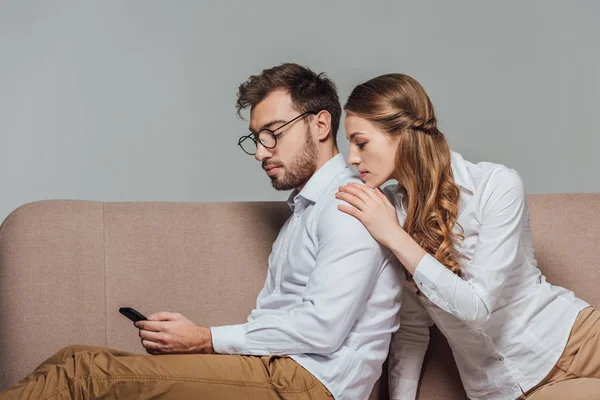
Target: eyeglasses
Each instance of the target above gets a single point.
(266, 137)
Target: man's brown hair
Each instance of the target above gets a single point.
(309, 91)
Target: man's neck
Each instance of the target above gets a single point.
(321, 160)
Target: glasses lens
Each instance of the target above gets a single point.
(267, 138)
(248, 145)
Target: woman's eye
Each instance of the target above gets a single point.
(361, 145)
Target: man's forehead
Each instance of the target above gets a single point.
(275, 107)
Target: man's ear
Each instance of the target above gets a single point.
(323, 123)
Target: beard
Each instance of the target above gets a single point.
(299, 170)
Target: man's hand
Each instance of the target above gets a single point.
(172, 333)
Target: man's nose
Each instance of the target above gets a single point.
(262, 153)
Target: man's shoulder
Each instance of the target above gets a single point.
(329, 219)
(327, 201)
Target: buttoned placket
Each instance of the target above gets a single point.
(285, 243)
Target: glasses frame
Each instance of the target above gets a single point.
(256, 138)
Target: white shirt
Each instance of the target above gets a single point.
(506, 325)
(332, 296)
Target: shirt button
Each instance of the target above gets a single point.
(500, 358)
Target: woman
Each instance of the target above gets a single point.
(461, 232)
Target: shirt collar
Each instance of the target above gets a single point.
(460, 172)
(317, 183)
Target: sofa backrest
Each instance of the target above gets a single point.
(67, 266)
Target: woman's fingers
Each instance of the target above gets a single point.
(352, 200)
(355, 212)
(363, 193)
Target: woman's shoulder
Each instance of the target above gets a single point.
(491, 176)
(499, 187)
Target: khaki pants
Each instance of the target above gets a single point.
(577, 372)
(86, 372)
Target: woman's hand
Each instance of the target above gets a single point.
(373, 209)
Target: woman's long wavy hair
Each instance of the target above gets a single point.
(398, 105)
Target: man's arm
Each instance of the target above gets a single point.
(172, 333)
(348, 262)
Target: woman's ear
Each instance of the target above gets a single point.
(323, 123)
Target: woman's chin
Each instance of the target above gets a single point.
(372, 183)
(371, 180)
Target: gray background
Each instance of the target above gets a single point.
(134, 100)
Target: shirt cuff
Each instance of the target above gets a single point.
(229, 339)
(427, 273)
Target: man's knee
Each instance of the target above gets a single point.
(82, 347)
(77, 348)
(69, 351)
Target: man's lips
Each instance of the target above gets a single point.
(271, 170)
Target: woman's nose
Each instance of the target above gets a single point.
(353, 159)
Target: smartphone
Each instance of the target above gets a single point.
(132, 314)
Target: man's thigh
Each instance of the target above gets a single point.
(212, 376)
(85, 371)
(185, 376)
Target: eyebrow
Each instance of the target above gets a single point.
(268, 125)
(353, 134)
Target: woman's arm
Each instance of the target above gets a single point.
(473, 297)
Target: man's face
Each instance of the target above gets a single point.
(294, 160)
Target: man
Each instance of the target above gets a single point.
(323, 321)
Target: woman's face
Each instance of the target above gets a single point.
(372, 151)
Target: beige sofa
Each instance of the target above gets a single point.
(67, 266)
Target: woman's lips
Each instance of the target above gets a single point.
(363, 175)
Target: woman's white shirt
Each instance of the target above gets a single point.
(506, 325)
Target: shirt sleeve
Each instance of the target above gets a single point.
(476, 295)
(263, 293)
(347, 264)
(408, 347)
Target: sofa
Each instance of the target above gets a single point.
(67, 266)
